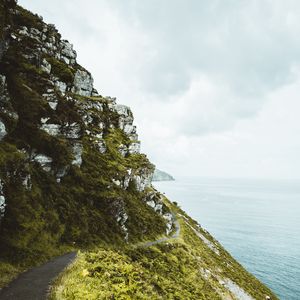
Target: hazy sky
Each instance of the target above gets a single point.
(214, 85)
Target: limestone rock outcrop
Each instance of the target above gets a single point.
(2, 200)
(56, 127)
(2, 130)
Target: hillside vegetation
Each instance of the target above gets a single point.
(72, 178)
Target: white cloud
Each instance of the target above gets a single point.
(213, 84)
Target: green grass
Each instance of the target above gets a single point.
(52, 218)
(11, 268)
(171, 270)
(8, 272)
(61, 70)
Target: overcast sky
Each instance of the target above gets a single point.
(214, 85)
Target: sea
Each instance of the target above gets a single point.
(257, 221)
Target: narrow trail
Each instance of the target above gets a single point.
(34, 284)
(175, 235)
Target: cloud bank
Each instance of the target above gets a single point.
(213, 85)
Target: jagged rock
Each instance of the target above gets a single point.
(87, 119)
(67, 50)
(5, 102)
(111, 102)
(51, 98)
(23, 31)
(128, 128)
(154, 201)
(123, 110)
(77, 152)
(123, 150)
(51, 129)
(2, 200)
(126, 180)
(126, 117)
(61, 86)
(83, 83)
(53, 104)
(101, 146)
(133, 137)
(35, 32)
(169, 218)
(44, 160)
(44, 120)
(27, 182)
(134, 147)
(98, 135)
(45, 66)
(65, 60)
(143, 179)
(90, 110)
(125, 120)
(95, 106)
(2, 83)
(116, 182)
(95, 92)
(118, 210)
(2, 130)
(72, 131)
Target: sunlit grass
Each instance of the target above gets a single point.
(182, 268)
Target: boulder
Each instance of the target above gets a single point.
(45, 66)
(67, 50)
(77, 152)
(134, 147)
(2, 200)
(143, 179)
(101, 146)
(2, 130)
(51, 129)
(83, 83)
(44, 160)
(61, 86)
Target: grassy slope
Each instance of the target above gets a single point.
(183, 268)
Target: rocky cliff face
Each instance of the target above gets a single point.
(71, 167)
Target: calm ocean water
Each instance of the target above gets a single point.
(257, 221)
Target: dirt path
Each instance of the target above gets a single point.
(175, 235)
(34, 284)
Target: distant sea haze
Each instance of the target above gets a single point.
(257, 221)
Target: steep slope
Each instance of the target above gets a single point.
(191, 265)
(72, 177)
(71, 171)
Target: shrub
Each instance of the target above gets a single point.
(61, 70)
(28, 19)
